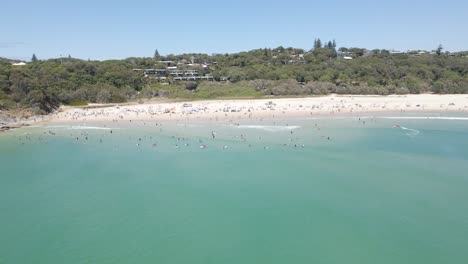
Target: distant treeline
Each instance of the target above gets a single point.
(44, 85)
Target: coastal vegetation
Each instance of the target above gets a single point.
(43, 85)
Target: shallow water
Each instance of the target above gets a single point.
(260, 192)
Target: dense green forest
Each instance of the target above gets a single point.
(43, 85)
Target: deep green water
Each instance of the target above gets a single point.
(370, 194)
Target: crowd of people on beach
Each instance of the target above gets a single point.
(79, 128)
(268, 115)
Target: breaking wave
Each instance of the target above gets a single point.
(426, 118)
(90, 128)
(270, 128)
(410, 132)
(80, 127)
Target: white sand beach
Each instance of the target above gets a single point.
(333, 105)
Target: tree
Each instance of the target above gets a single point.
(104, 96)
(317, 44)
(156, 54)
(34, 58)
(323, 54)
(44, 85)
(191, 86)
(439, 50)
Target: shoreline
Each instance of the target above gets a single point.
(275, 108)
(8, 122)
(252, 109)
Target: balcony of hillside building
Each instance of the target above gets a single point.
(194, 78)
(149, 72)
(191, 73)
(176, 73)
(161, 72)
(207, 78)
(157, 72)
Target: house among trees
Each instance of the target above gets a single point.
(161, 72)
(195, 78)
(19, 63)
(157, 72)
(344, 55)
(149, 72)
(176, 73)
(191, 73)
(396, 52)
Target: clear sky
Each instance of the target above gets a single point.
(98, 29)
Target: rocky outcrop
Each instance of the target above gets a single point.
(8, 122)
(6, 118)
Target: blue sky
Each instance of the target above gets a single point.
(116, 29)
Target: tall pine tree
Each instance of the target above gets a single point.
(439, 50)
(34, 58)
(318, 44)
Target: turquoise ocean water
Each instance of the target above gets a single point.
(260, 192)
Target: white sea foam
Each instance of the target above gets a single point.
(79, 127)
(411, 132)
(269, 128)
(426, 117)
(89, 128)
